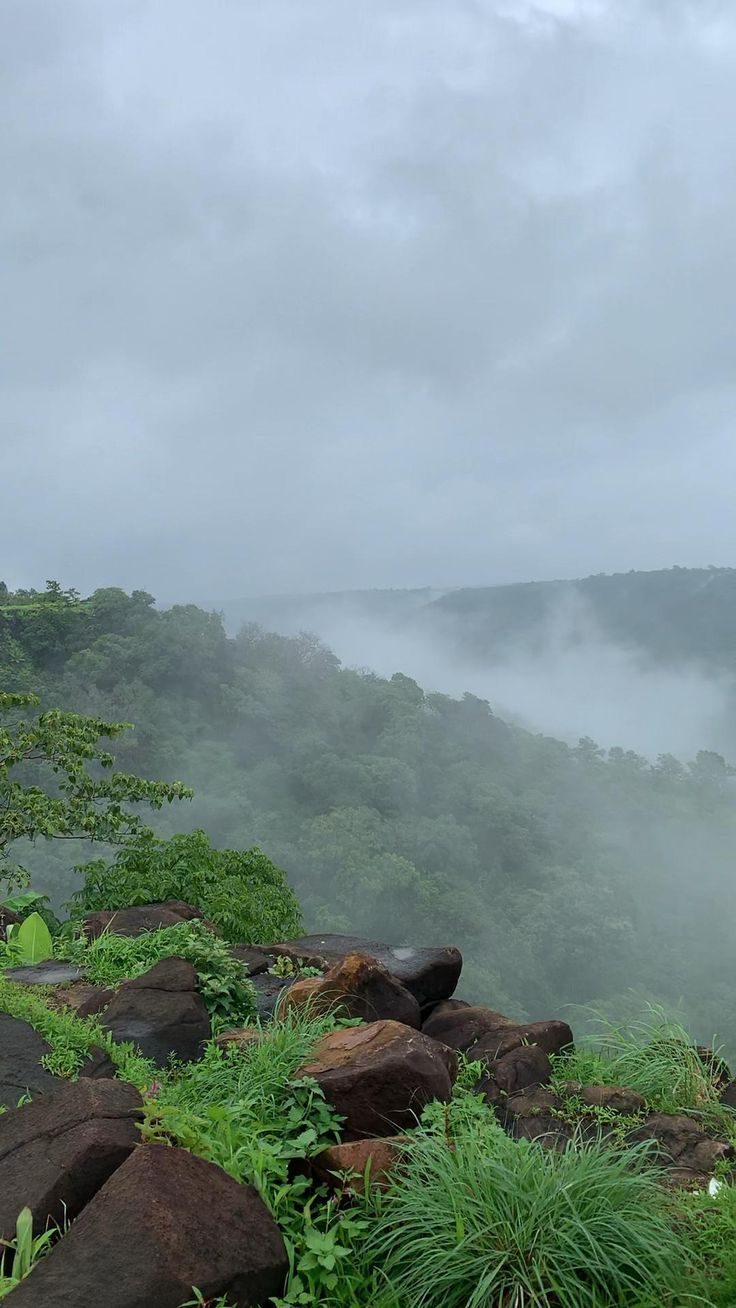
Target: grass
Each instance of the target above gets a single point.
(22, 1253)
(652, 1055)
(480, 1220)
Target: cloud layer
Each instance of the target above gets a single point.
(340, 295)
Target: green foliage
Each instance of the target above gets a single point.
(225, 988)
(81, 797)
(71, 1038)
(478, 1219)
(241, 891)
(25, 1249)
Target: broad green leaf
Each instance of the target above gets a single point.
(33, 939)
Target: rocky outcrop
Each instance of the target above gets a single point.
(162, 1012)
(428, 974)
(483, 1033)
(164, 1222)
(144, 917)
(56, 1152)
(379, 1077)
(359, 987)
(21, 1070)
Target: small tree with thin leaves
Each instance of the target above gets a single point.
(56, 781)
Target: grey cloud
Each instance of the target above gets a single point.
(344, 295)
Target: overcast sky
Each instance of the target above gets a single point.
(318, 294)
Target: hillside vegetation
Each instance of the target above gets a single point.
(569, 875)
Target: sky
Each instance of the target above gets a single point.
(321, 296)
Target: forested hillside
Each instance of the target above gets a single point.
(568, 875)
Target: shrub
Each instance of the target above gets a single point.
(241, 891)
(478, 1219)
(223, 984)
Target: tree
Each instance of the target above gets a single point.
(57, 782)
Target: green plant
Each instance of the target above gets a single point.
(26, 1250)
(109, 959)
(241, 891)
(286, 967)
(28, 941)
(478, 1220)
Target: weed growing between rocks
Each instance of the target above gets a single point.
(19, 1256)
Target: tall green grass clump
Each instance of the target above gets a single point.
(479, 1220)
(653, 1055)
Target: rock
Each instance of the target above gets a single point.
(717, 1067)
(428, 974)
(81, 997)
(144, 917)
(8, 918)
(546, 1129)
(269, 991)
(164, 1222)
(21, 1072)
(483, 1033)
(441, 1008)
(161, 1012)
(98, 997)
(44, 974)
(683, 1147)
(460, 1026)
(98, 1065)
(380, 1157)
(380, 1076)
(253, 960)
(56, 1152)
(357, 986)
(728, 1095)
(520, 1070)
(537, 1101)
(615, 1098)
(240, 1036)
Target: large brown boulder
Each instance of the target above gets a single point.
(21, 1069)
(164, 1222)
(429, 974)
(56, 1152)
(162, 1012)
(379, 1077)
(357, 986)
(144, 917)
(483, 1033)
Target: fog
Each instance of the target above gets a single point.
(569, 682)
